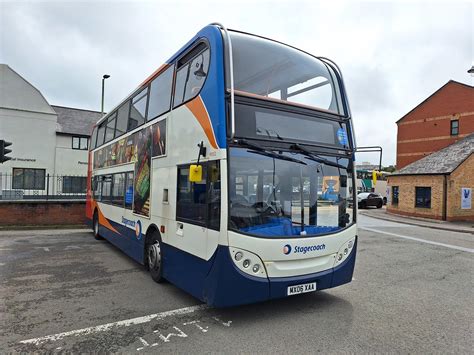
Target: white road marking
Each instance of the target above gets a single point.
(108, 326)
(419, 240)
(195, 322)
(180, 334)
(144, 342)
(225, 324)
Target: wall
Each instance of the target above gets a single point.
(463, 176)
(69, 161)
(427, 128)
(406, 195)
(42, 213)
(33, 137)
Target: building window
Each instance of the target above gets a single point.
(423, 197)
(81, 143)
(74, 184)
(29, 179)
(454, 127)
(394, 195)
(199, 202)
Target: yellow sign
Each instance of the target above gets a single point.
(374, 177)
(195, 173)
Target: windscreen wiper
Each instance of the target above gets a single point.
(314, 157)
(257, 149)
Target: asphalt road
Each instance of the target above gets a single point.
(64, 291)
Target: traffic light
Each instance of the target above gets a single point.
(4, 151)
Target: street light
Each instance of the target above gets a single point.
(471, 71)
(106, 76)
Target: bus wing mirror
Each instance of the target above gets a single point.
(195, 173)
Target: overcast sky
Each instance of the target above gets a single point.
(392, 54)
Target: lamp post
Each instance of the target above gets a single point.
(105, 76)
(471, 71)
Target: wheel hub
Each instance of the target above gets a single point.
(154, 256)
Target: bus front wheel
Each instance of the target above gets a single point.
(155, 258)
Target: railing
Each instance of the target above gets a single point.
(42, 187)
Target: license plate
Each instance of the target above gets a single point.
(294, 290)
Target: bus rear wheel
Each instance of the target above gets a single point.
(95, 226)
(155, 258)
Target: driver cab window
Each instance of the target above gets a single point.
(199, 202)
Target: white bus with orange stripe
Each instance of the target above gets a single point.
(211, 172)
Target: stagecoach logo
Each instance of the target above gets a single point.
(138, 230)
(303, 250)
(136, 225)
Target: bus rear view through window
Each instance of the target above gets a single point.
(231, 179)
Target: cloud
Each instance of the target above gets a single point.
(393, 54)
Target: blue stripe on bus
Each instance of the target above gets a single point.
(213, 92)
(217, 281)
(126, 241)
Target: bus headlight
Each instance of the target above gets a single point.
(238, 256)
(344, 251)
(248, 262)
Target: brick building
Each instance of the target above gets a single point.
(442, 119)
(438, 186)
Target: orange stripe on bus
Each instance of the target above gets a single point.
(196, 106)
(102, 220)
(155, 73)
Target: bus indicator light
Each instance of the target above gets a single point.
(162, 229)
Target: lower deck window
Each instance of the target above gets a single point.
(423, 197)
(115, 189)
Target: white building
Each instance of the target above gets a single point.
(47, 140)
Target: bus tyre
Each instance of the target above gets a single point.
(154, 258)
(95, 226)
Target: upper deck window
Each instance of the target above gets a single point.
(191, 74)
(273, 70)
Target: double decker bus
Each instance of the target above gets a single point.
(367, 183)
(227, 171)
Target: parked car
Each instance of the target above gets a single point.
(369, 199)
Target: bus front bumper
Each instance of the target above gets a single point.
(227, 286)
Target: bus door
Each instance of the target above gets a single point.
(198, 210)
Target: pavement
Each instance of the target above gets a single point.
(63, 291)
(381, 213)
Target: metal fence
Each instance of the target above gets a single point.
(39, 186)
